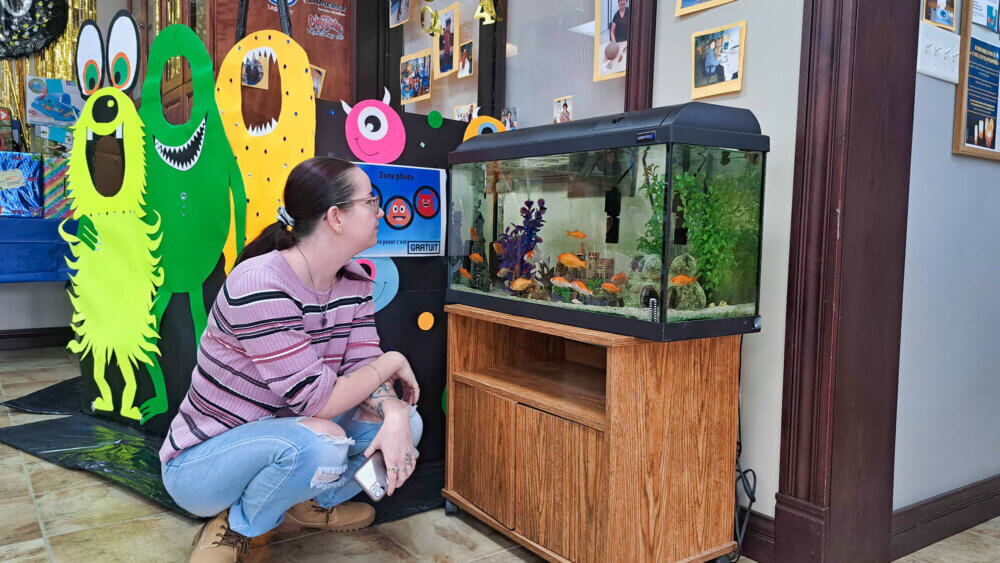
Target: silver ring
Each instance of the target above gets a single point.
(394, 469)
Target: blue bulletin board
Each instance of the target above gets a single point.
(411, 198)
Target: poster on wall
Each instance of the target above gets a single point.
(940, 13)
(984, 13)
(49, 101)
(562, 109)
(611, 30)
(415, 77)
(411, 198)
(717, 65)
(685, 7)
(977, 102)
(446, 43)
(399, 12)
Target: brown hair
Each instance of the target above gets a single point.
(312, 188)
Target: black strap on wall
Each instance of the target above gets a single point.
(241, 18)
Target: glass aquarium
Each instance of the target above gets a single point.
(647, 224)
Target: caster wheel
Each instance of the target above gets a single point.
(450, 509)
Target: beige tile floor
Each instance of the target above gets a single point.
(48, 513)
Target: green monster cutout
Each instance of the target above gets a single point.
(115, 271)
(193, 183)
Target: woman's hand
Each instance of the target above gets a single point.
(396, 443)
(411, 389)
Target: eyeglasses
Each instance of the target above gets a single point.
(374, 203)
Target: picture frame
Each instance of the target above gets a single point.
(937, 12)
(686, 7)
(560, 114)
(466, 49)
(254, 74)
(705, 81)
(450, 37)
(975, 130)
(400, 14)
(610, 55)
(415, 83)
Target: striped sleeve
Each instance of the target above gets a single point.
(267, 321)
(363, 342)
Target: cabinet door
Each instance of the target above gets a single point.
(561, 484)
(482, 452)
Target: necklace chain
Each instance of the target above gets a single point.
(326, 303)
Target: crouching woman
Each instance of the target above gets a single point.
(292, 392)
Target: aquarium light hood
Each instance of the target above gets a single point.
(694, 123)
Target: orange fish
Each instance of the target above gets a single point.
(476, 257)
(498, 248)
(560, 281)
(473, 233)
(465, 273)
(619, 279)
(581, 287)
(682, 280)
(611, 288)
(571, 261)
(529, 255)
(576, 235)
(521, 284)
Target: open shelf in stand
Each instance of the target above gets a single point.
(570, 390)
(596, 337)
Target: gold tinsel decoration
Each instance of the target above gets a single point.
(56, 61)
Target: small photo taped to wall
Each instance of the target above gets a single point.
(415, 77)
(318, 76)
(465, 60)
(399, 12)
(562, 109)
(940, 13)
(611, 31)
(509, 118)
(255, 72)
(464, 112)
(717, 65)
(446, 43)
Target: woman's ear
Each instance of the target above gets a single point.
(335, 218)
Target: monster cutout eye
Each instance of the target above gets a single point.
(483, 125)
(89, 58)
(123, 52)
(372, 123)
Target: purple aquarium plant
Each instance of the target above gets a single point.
(517, 241)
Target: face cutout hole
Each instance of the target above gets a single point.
(261, 102)
(108, 165)
(172, 93)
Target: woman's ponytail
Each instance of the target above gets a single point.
(276, 236)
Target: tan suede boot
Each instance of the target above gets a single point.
(341, 518)
(216, 543)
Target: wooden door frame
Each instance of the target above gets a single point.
(845, 283)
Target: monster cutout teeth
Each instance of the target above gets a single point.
(264, 129)
(184, 157)
(265, 52)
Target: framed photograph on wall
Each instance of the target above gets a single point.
(940, 13)
(465, 60)
(977, 108)
(399, 12)
(717, 60)
(685, 7)
(446, 44)
(611, 30)
(562, 109)
(415, 77)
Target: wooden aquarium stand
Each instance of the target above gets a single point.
(588, 446)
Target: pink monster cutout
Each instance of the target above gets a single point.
(374, 130)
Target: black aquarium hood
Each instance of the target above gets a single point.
(694, 123)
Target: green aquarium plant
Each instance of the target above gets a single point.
(654, 188)
(710, 230)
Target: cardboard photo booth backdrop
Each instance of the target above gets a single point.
(114, 264)
(267, 152)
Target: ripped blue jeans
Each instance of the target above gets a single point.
(261, 469)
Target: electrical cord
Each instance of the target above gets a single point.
(747, 479)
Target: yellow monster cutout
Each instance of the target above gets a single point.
(267, 154)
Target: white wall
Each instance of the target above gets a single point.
(947, 416)
(770, 90)
(44, 305)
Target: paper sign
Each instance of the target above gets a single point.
(984, 13)
(411, 198)
(50, 101)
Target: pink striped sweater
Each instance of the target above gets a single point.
(265, 351)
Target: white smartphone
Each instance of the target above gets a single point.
(372, 477)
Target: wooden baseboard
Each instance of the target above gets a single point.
(758, 544)
(35, 338)
(924, 523)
